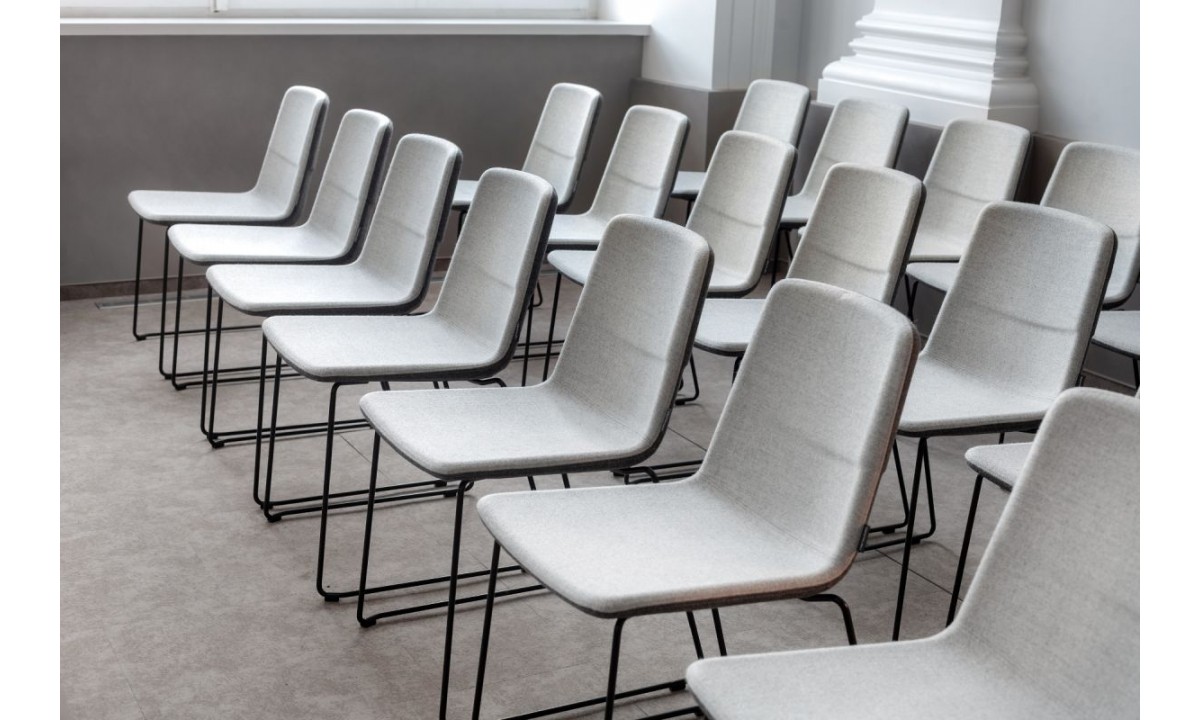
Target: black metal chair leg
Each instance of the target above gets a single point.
(1137, 374)
(266, 504)
(258, 435)
(204, 370)
(962, 555)
(922, 456)
(553, 318)
(487, 630)
(691, 618)
(448, 651)
(215, 382)
(528, 341)
(162, 314)
(175, 330)
(566, 481)
(847, 620)
(137, 282)
(366, 552)
(695, 384)
(911, 295)
(537, 295)
(532, 484)
(716, 616)
(610, 699)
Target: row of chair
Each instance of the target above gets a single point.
(992, 363)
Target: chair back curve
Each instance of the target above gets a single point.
(861, 230)
(860, 131)
(804, 451)
(775, 108)
(292, 148)
(410, 217)
(738, 208)
(1021, 313)
(345, 196)
(563, 134)
(494, 268)
(1055, 599)
(1103, 182)
(976, 162)
(641, 169)
(632, 332)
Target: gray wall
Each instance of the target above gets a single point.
(194, 112)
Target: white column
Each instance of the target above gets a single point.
(942, 59)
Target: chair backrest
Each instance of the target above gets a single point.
(348, 185)
(1103, 182)
(411, 214)
(805, 434)
(976, 162)
(633, 327)
(495, 264)
(774, 108)
(641, 169)
(865, 132)
(1056, 596)
(861, 230)
(737, 210)
(1021, 313)
(561, 140)
(292, 149)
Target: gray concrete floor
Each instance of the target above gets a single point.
(179, 600)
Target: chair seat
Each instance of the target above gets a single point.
(727, 325)
(933, 246)
(579, 232)
(1120, 330)
(506, 432)
(1001, 464)
(213, 244)
(354, 348)
(272, 289)
(464, 194)
(797, 209)
(676, 544)
(942, 401)
(575, 265)
(868, 681)
(168, 207)
(687, 184)
(940, 275)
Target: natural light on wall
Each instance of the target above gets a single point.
(213, 9)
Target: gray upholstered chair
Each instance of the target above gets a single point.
(637, 179)
(470, 333)
(337, 219)
(1102, 182)
(276, 197)
(976, 162)
(1011, 336)
(774, 108)
(737, 213)
(560, 143)
(865, 132)
(390, 276)
(857, 239)
(1121, 332)
(1051, 628)
(606, 405)
(749, 526)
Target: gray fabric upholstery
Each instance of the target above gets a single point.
(333, 224)
(858, 240)
(637, 179)
(1050, 629)
(773, 108)
(471, 330)
(976, 162)
(779, 503)
(859, 131)
(1002, 464)
(940, 275)
(560, 142)
(392, 272)
(736, 213)
(274, 196)
(606, 403)
(1103, 182)
(1012, 332)
(1120, 330)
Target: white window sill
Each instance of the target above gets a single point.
(327, 26)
